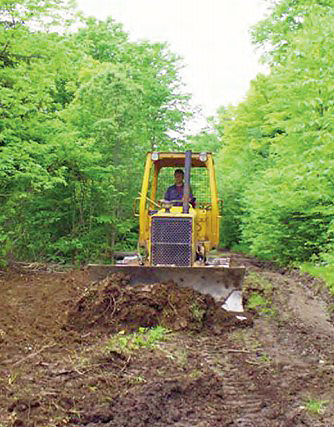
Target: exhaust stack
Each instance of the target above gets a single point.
(186, 190)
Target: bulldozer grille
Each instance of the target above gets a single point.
(171, 241)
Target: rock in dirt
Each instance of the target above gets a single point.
(111, 303)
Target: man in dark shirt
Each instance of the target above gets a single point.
(175, 192)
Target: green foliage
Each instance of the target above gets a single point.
(276, 164)
(143, 338)
(239, 158)
(78, 112)
(275, 33)
(325, 272)
(206, 140)
(209, 139)
(150, 72)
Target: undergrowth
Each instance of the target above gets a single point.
(325, 273)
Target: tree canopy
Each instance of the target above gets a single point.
(80, 104)
(78, 110)
(277, 160)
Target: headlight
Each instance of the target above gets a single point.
(155, 156)
(203, 156)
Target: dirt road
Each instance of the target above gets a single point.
(67, 360)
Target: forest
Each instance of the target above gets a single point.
(81, 104)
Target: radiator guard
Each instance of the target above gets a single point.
(171, 241)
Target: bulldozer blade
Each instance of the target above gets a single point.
(222, 283)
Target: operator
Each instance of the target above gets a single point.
(175, 192)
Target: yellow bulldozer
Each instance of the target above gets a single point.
(177, 236)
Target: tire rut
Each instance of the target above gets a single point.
(242, 395)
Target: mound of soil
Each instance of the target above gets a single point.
(113, 304)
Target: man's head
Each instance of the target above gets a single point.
(178, 176)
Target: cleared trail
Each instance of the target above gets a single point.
(274, 371)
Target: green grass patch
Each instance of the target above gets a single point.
(256, 282)
(143, 338)
(316, 406)
(260, 304)
(255, 301)
(325, 273)
(258, 292)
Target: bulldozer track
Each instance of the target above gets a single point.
(239, 389)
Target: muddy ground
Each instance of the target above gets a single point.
(71, 353)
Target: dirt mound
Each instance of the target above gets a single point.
(112, 304)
